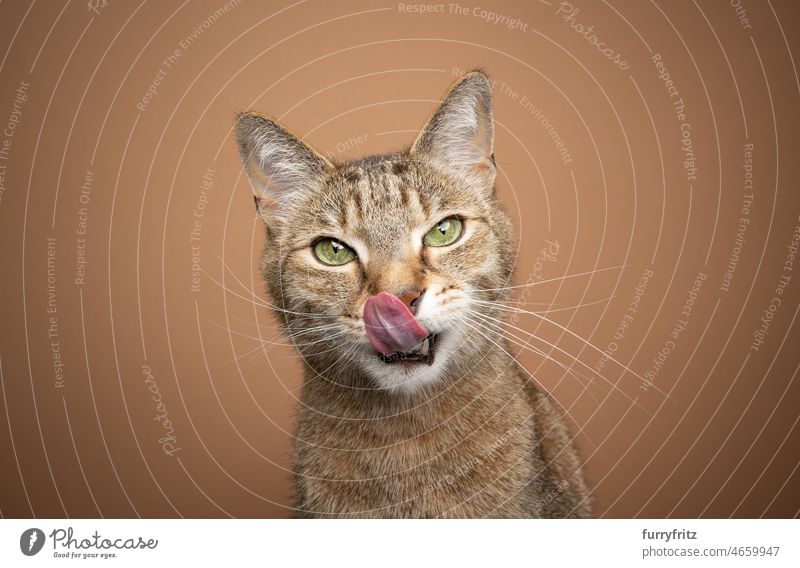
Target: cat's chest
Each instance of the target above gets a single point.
(416, 470)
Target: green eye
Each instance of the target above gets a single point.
(333, 253)
(446, 232)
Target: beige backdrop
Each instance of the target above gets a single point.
(653, 143)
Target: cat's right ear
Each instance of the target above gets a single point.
(276, 162)
(460, 134)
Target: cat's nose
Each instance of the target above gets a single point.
(411, 298)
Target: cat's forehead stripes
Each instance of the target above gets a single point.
(375, 191)
(383, 202)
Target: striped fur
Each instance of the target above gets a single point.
(469, 436)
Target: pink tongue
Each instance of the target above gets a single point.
(390, 325)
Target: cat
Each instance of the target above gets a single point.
(384, 272)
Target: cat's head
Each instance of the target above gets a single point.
(418, 240)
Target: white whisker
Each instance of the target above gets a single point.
(529, 374)
(559, 309)
(548, 280)
(260, 302)
(520, 341)
(585, 342)
(525, 345)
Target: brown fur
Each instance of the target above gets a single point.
(472, 438)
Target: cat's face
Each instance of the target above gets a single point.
(422, 227)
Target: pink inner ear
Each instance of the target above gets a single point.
(390, 325)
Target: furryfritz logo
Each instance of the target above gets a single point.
(31, 541)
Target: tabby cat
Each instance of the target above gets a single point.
(385, 272)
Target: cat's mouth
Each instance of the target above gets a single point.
(423, 353)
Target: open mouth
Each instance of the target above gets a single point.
(423, 353)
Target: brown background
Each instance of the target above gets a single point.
(715, 436)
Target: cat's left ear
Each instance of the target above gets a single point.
(276, 162)
(460, 134)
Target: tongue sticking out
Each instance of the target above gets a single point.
(390, 325)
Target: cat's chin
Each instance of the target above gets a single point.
(410, 373)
